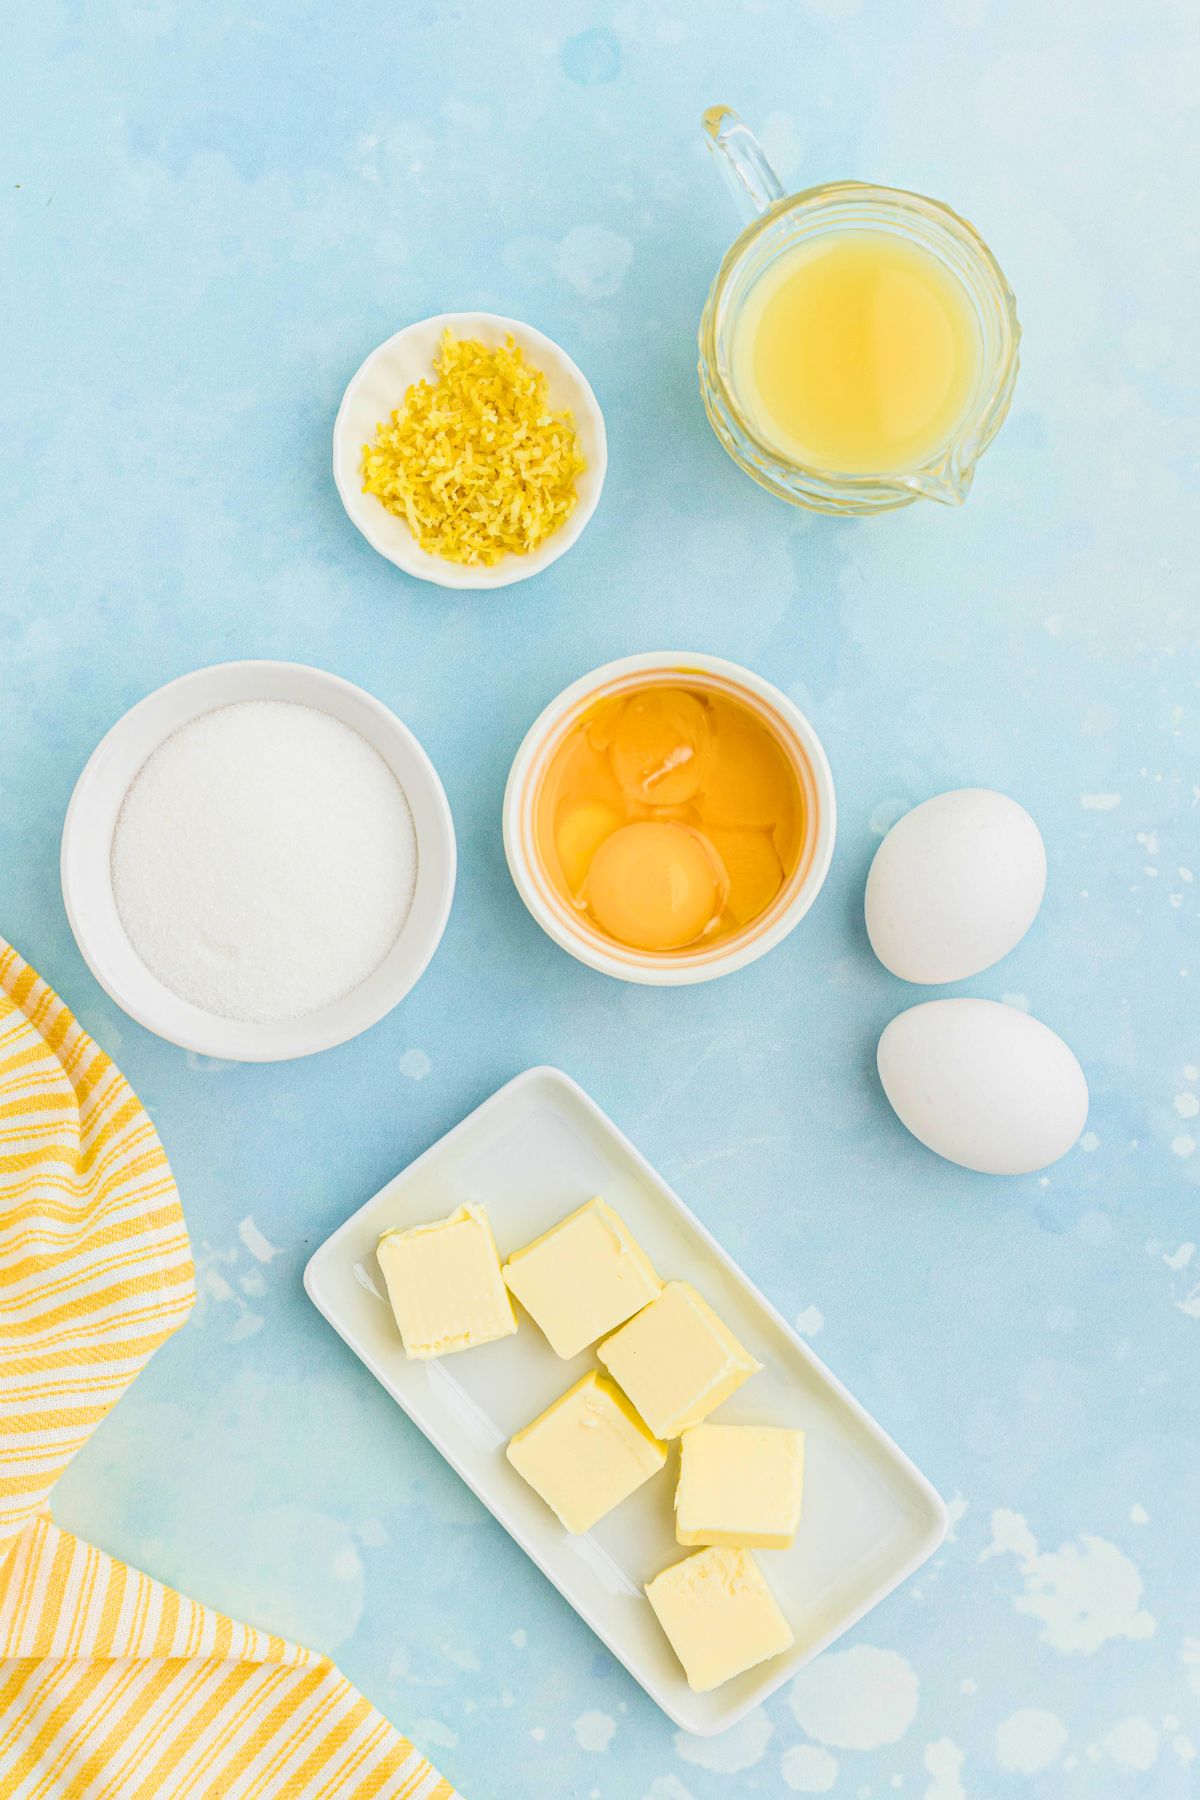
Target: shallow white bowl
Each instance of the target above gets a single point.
(378, 390)
(86, 861)
(681, 968)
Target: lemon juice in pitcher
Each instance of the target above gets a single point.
(858, 349)
(859, 352)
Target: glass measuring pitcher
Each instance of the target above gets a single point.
(849, 219)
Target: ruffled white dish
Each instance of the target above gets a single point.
(378, 389)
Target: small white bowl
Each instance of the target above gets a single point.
(378, 390)
(681, 968)
(86, 862)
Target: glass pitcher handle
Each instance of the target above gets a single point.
(748, 175)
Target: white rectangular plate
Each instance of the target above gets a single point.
(530, 1154)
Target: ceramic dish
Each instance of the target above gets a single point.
(378, 389)
(564, 924)
(87, 850)
(530, 1154)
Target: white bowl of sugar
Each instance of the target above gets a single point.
(258, 861)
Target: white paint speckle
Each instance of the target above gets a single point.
(1099, 802)
(246, 1326)
(538, 1734)
(1133, 1744)
(1191, 1072)
(1138, 1515)
(856, 1699)
(1094, 1227)
(1030, 1740)
(464, 1659)
(255, 1242)
(217, 1285)
(1084, 1594)
(807, 1769)
(741, 1747)
(810, 1321)
(519, 1638)
(667, 1787)
(968, 1685)
(433, 1731)
(943, 1762)
(1187, 1105)
(593, 260)
(1053, 626)
(1018, 1002)
(594, 1731)
(1183, 1145)
(1179, 1259)
(415, 1065)
(956, 1511)
(1089, 1142)
(1183, 1747)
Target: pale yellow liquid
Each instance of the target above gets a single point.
(857, 353)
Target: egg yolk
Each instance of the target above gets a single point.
(749, 781)
(658, 747)
(581, 832)
(655, 885)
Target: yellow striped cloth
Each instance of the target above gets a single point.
(113, 1686)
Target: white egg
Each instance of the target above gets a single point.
(983, 1085)
(954, 885)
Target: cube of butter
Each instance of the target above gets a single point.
(676, 1360)
(586, 1453)
(445, 1285)
(719, 1614)
(739, 1485)
(582, 1278)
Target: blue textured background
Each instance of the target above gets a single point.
(210, 214)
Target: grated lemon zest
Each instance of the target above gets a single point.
(476, 464)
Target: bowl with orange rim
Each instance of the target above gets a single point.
(669, 818)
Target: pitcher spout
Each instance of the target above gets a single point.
(947, 482)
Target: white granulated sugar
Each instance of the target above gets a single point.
(264, 861)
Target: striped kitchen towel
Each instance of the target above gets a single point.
(113, 1686)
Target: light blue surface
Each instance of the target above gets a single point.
(210, 215)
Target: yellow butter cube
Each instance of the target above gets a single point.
(719, 1614)
(582, 1278)
(676, 1360)
(445, 1285)
(739, 1485)
(586, 1453)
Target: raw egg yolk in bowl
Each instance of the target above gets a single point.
(669, 817)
